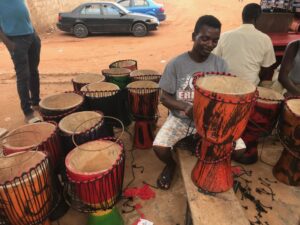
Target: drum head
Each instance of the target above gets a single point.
(294, 105)
(116, 72)
(29, 136)
(143, 73)
(225, 85)
(19, 163)
(100, 156)
(88, 78)
(123, 63)
(267, 95)
(61, 102)
(80, 122)
(107, 88)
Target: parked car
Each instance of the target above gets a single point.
(149, 7)
(105, 17)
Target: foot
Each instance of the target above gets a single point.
(165, 178)
(32, 119)
(245, 156)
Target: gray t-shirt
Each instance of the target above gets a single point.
(178, 76)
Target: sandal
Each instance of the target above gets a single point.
(165, 178)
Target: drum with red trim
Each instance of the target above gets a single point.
(26, 193)
(57, 106)
(43, 136)
(126, 63)
(143, 99)
(83, 79)
(150, 75)
(84, 126)
(261, 123)
(222, 106)
(287, 169)
(95, 171)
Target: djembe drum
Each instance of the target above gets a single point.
(143, 100)
(83, 79)
(150, 75)
(75, 125)
(287, 169)
(261, 123)
(222, 106)
(55, 107)
(27, 195)
(95, 171)
(109, 99)
(127, 63)
(118, 76)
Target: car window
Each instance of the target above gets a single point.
(140, 3)
(125, 3)
(109, 10)
(93, 9)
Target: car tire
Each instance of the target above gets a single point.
(80, 31)
(139, 29)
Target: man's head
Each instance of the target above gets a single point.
(206, 35)
(251, 12)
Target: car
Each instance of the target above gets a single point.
(105, 17)
(149, 7)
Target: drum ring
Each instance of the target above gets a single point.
(101, 149)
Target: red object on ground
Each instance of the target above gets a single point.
(144, 193)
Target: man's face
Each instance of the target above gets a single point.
(206, 40)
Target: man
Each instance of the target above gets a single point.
(289, 74)
(248, 52)
(23, 44)
(177, 91)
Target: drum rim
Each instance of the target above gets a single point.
(96, 174)
(112, 65)
(101, 78)
(68, 132)
(116, 72)
(62, 109)
(271, 101)
(18, 148)
(151, 73)
(117, 88)
(289, 108)
(142, 88)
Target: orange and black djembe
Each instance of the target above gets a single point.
(143, 100)
(222, 106)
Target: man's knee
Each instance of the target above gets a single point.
(161, 149)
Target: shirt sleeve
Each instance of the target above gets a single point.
(269, 57)
(168, 79)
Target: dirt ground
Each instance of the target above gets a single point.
(63, 56)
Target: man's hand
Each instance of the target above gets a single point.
(189, 111)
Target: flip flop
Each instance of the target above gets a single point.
(165, 178)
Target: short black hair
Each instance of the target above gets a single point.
(251, 12)
(207, 20)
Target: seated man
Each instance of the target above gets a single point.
(177, 91)
(289, 74)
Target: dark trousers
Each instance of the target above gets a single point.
(26, 58)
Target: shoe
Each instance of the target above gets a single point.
(3, 131)
(245, 156)
(30, 119)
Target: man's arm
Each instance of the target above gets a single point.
(286, 66)
(172, 103)
(8, 43)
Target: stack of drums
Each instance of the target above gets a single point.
(83, 79)
(95, 171)
(222, 106)
(27, 195)
(287, 169)
(143, 99)
(118, 76)
(107, 98)
(55, 107)
(127, 63)
(150, 75)
(82, 127)
(261, 123)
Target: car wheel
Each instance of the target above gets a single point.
(139, 30)
(80, 31)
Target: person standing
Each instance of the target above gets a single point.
(248, 52)
(24, 46)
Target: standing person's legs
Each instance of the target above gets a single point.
(173, 130)
(21, 64)
(34, 60)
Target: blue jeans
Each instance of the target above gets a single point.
(26, 58)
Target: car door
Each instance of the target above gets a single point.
(115, 19)
(140, 6)
(91, 16)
